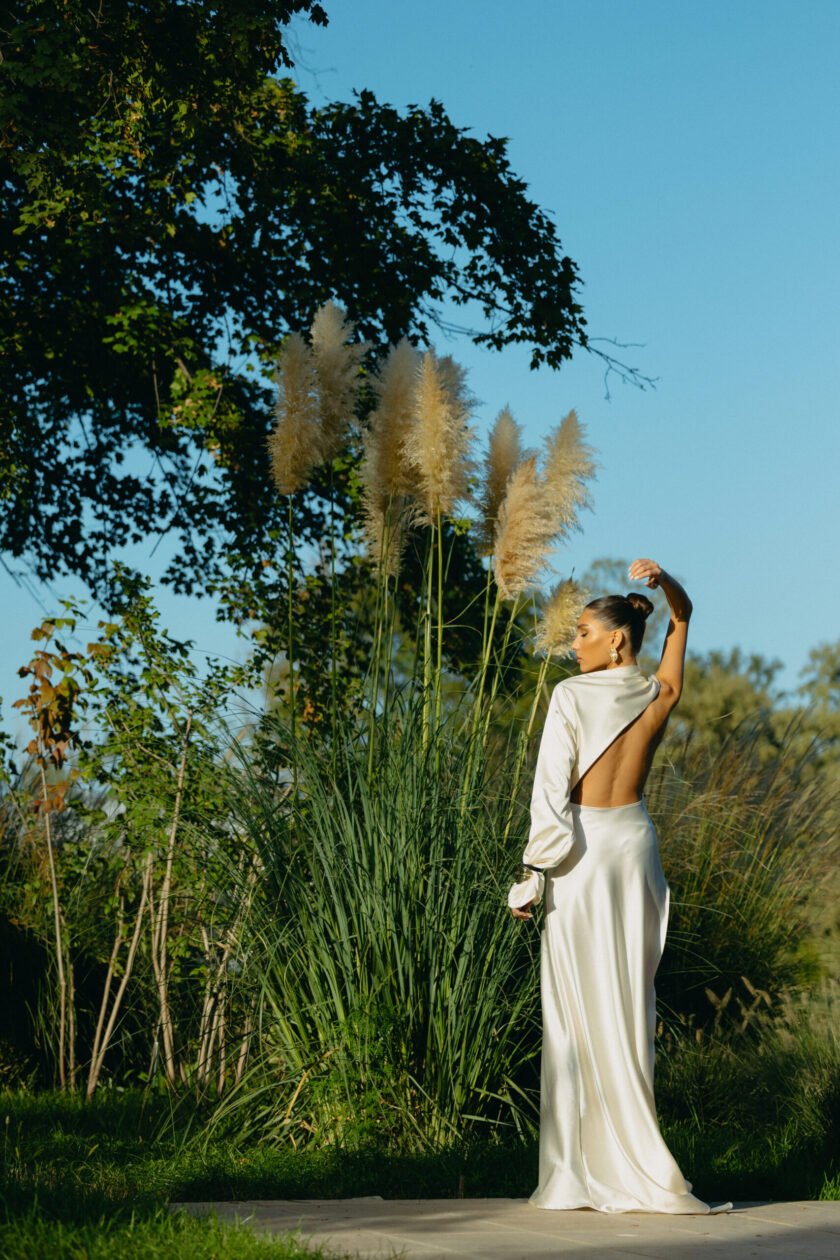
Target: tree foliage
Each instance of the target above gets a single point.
(171, 209)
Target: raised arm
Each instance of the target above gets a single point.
(672, 662)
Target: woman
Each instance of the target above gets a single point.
(593, 849)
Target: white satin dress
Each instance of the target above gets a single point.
(606, 914)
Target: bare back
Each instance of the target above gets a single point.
(618, 776)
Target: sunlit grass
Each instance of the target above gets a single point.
(164, 1235)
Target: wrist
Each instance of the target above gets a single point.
(681, 608)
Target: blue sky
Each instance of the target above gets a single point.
(689, 155)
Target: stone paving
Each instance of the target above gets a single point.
(510, 1229)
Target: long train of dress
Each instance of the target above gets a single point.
(606, 914)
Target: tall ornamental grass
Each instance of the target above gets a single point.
(748, 843)
(397, 1001)
(748, 1036)
(779, 1076)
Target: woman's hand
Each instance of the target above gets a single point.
(647, 571)
(522, 912)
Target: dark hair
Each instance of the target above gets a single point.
(624, 612)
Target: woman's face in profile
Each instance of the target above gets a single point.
(592, 643)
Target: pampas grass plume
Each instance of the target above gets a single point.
(569, 464)
(387, 477)
(294, 444)
(558, 624)
(504, 452)
(439, 442)
(336, 364)
(454, 378)
(524, 530)
(387, 470)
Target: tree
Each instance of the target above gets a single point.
(723, 692)
(170, 211)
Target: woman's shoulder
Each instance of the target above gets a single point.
(572, 686)
(567, 691)
(606, 684)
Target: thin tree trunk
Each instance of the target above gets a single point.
(220, 1086)
(202, 1067)
(211, 1035)
(93, 1074)
(155, 1054)
(244, 1045)
(100, 1048)
(59, 940)
(164, 1041)
(213, 1019)
(71, 1012)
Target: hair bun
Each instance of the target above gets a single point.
(640, 604)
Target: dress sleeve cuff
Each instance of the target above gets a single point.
(530, 889)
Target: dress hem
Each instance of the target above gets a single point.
(701, 1210)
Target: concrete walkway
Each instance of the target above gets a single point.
(509, 1229)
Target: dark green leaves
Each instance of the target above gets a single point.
(170, 211)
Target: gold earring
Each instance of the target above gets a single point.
(613, 655)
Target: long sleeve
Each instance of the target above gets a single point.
(551, 834)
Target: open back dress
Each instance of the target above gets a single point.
(606, 915)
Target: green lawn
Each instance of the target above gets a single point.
(95, 1181)
(164, 1234)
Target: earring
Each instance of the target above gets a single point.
(613, 655)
